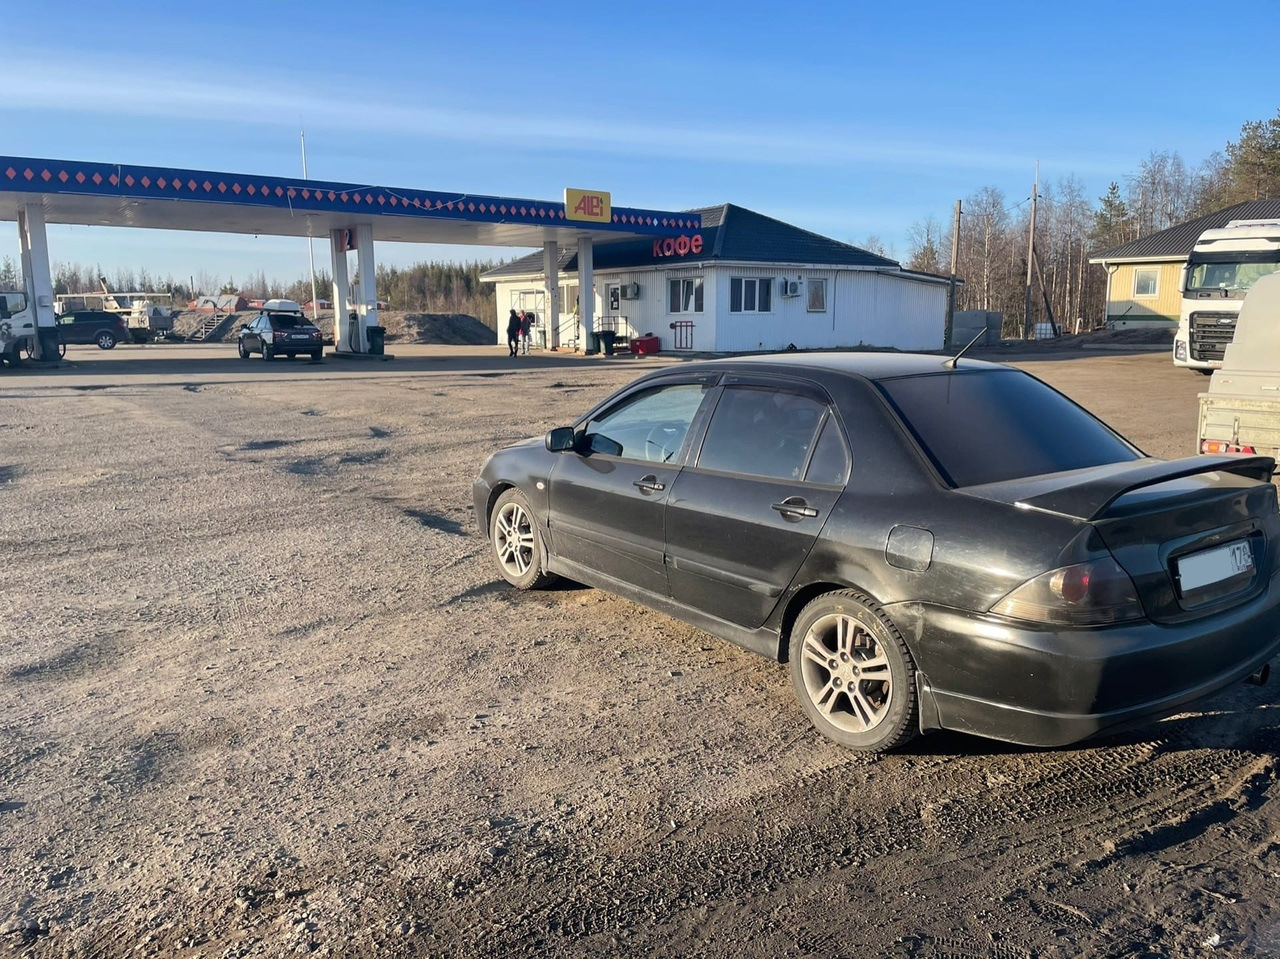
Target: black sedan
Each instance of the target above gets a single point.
(280, 334)
(928, 544)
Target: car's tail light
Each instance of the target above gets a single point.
(1217, 446)
(1087, 594)
(277, 335)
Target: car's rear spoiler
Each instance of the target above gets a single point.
(1085, 494)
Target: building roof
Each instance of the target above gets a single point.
(729, 233)
(1177, 242)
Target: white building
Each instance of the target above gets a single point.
(743, 282)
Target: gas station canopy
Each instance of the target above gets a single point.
(164, 198)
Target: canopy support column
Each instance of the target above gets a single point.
(339, 242)
(551, 270)
(35, 274)
(367, 294)
(586, 291)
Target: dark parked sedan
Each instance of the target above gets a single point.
(280, 334)
(927, 546)
(94, 326)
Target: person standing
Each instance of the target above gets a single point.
(526, 332)
(513, 333)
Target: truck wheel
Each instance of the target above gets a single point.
(13, 356)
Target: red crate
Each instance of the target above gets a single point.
(645, 344)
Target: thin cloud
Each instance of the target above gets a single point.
(121, 94)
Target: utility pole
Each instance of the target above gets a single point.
(1031, 247)
(951, 285)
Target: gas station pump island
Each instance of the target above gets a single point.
(37, 192)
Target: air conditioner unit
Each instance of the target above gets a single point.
(790, 287)
(630, 291)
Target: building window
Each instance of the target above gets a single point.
(1146, 282)
(817, 290)
(751, 295)
(685, 295)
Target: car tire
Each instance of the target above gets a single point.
(853, 674)
(517, 543)
(268, 354)
(106, 340)
(13, 356)
(317, 356)
(244, 354)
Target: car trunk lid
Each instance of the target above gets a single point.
(1194, 535)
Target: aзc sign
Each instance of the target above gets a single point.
(590, 205)
(677, 246)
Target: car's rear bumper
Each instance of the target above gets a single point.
(993, 677)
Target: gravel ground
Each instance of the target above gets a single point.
(264, 694)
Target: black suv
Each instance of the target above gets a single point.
(94, 326)
(276, 334)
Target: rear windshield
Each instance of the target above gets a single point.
(286, 321)
(993, 425)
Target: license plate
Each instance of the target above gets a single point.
(301, 336)
(1214, 565)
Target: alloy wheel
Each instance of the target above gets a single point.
(846, 673)
(514, 540)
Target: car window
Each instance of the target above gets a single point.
(987, 426)
(830, 463)
(652, 425)
(762, 432)
(282, 321)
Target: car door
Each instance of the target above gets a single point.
(607, 495)
(744, 515)
(68, 329)
(253, 336)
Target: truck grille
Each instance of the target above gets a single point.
(1210, 334)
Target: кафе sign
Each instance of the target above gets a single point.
(677, 246)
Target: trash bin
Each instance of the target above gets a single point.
(49, 344)
(594, 346)
(377, 339)
(607, 339)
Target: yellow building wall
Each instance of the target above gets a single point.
(1166, 304)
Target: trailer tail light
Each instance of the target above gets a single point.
(1217, 446)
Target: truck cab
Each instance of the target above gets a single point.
(1221, 270)
(17, 326)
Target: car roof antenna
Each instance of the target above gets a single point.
(951, 363)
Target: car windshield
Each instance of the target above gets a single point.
(1231, 274)
(992, 425)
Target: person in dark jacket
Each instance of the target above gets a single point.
(513, 333)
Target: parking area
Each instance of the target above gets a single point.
(265, 692)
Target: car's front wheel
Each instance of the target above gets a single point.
(105, 340)
(517, 543)
(853, 673)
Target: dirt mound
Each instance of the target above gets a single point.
(458, 329)
(1095, 340)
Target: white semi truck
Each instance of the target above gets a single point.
(1222, 268)
(1241, 411)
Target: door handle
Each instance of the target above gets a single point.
(795, 506)
(649, 484)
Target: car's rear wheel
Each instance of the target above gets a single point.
(105, 340)
(268, 353)
(853, 673)
(517, 543)
(244, 354)
(317, 355)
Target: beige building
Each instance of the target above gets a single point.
(1144, 278)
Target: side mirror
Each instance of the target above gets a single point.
(560, 439)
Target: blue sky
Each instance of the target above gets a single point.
(849, 119)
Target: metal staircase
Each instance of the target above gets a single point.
(212, 328)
